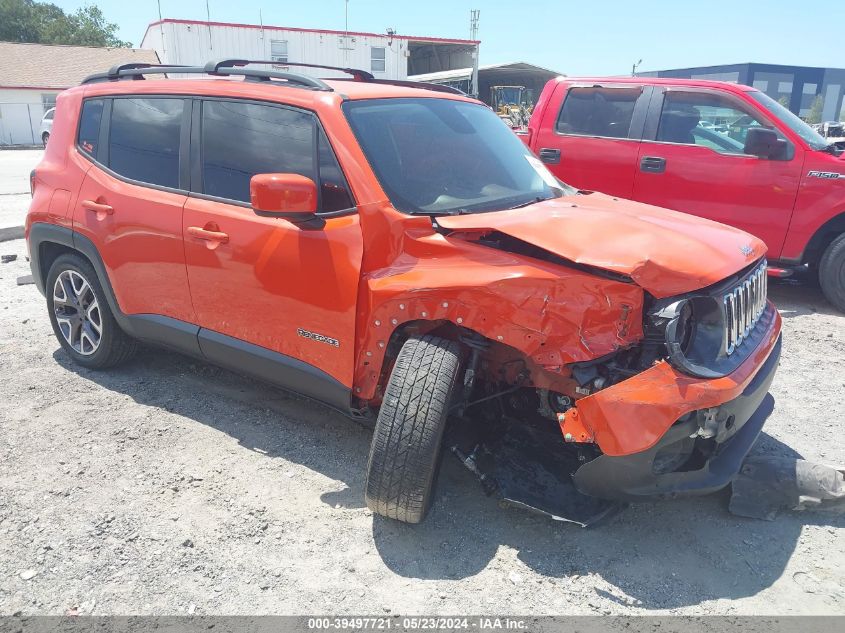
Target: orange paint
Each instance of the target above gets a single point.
(283, 193)
(631, 416)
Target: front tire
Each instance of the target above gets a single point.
(81, 318)
(405, 453)
(832, 273)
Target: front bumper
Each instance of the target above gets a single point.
(684, 463)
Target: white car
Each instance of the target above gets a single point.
(47, 125)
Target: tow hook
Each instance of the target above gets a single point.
(709, 424)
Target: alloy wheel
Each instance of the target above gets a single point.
(77, 312)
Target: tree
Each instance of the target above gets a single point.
(784, 101)
(45, 23)
(815, 114)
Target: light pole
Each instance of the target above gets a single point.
(473, 30)
(634, 68)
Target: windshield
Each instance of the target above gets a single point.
(812, 138)
(441, 156)
(834, 129)
(509, 94)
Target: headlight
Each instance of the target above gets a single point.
(682, 326)
(692, 332)
(699, 332)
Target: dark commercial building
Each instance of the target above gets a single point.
(799, 84)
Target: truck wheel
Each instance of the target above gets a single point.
(81, 317)
(405, 453)
(832, 273)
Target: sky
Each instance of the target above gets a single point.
(603, 37)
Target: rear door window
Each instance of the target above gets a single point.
(89, 126)
(144, 137)
(598, 111)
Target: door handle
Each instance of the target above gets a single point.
(102, 210)
(209, 236)
(549, 155)
(653, 164)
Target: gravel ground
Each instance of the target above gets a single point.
(169, 487)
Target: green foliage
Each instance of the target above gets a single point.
(815, 114)
(45, 23)
(784, 101)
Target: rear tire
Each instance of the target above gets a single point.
(405, 453)
(832, 273)
(45, 137)
(81, 318)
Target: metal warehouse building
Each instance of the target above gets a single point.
(533, 78)
(387, 56)
(799, 84)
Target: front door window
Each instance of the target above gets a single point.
(706, 119)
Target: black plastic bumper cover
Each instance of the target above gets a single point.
(634, 477)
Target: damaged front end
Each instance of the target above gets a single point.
(598, 371)
(671, 416)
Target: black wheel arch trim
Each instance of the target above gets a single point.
(279, 369)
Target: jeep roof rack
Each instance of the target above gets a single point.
(230, 67)
(220, 68)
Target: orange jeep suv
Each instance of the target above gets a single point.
(394, 251)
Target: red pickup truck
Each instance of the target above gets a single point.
(723, 151)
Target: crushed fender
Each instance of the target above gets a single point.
(766, 485)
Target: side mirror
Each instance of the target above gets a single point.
(286, 195)
(764, 142)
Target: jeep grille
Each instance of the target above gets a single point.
(744, 305)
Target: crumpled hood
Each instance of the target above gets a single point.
(665, 252)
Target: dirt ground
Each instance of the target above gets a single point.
(169, 487)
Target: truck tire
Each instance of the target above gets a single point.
(832, 273)
(80, 315)
(405, 453)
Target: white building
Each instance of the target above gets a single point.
(31, 75)
(386, 56)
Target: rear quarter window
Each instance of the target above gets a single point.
(89, 126)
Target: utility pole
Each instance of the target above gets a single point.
(208, 19)
(473, 35)
(634, 68)
(346, 30)
(161, 30)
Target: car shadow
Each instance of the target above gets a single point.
(658, 555)
(799, 296)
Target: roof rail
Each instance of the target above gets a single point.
(228, 67)
(220, 68)
(212, 67)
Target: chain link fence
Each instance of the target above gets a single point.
(20, 123)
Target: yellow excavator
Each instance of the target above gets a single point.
(513, 105)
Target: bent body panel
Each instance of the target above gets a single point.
(632, 416)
